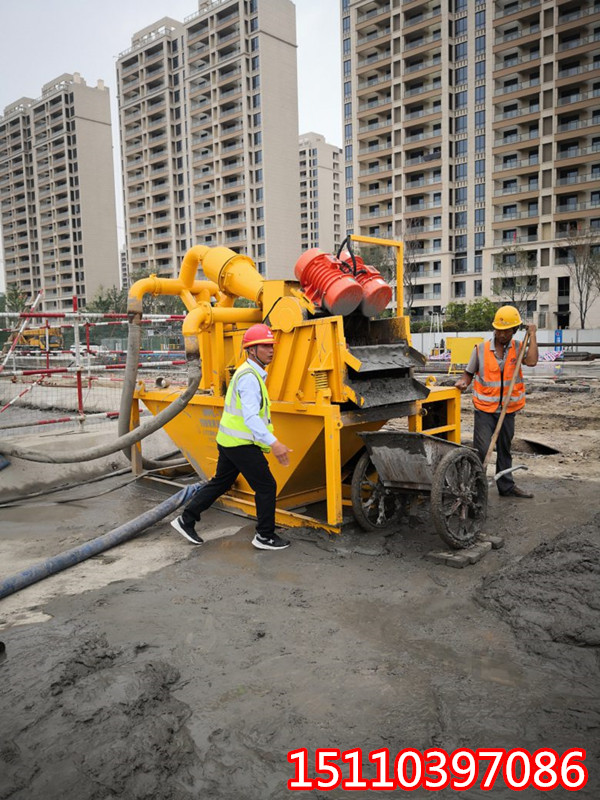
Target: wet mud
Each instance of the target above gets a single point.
(167, 671)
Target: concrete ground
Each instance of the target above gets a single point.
(159, 669)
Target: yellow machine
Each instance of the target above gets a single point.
(332, 378)
(40, 338)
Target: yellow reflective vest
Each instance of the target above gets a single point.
(233, 431)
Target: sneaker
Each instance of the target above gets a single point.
(272, 542)
(187, 530)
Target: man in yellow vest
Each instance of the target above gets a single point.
(491, 369)
(245, 435)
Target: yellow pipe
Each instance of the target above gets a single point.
(205, 315)
(189, 266)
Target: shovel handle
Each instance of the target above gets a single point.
(513, 380)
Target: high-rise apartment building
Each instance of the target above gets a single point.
(322, 222)
(472, 130)
(209, 136)
(57, 194)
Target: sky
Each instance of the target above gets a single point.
(42, 39)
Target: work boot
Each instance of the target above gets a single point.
(516, 492)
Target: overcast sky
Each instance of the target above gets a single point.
(42, 39)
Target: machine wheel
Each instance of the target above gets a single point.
(374, 506)
(459, 494)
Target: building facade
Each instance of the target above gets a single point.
(208, 113)
(321, 210)
(472, 131)
(59, 229)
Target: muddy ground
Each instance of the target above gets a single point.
(163, 670)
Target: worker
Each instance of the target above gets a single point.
(492, 365)
(245, 434)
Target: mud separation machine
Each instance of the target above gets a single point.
(339, 374)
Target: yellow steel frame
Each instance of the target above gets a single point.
(417, 423)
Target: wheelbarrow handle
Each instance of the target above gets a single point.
(511, 385)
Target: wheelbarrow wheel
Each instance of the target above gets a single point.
(374, 506)
(459, 494)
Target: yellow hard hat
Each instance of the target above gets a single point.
(506, 317)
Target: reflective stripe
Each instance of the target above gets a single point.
(236, 434)
(489, 397)
(486, 396)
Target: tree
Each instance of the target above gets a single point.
(456, 314)
(517, 281)
(409, 233)
(108, 301)
(583, 249)
(480, 314)
(15, 299)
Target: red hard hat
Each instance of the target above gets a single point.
(258, 334)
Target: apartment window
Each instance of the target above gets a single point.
(254, 64)
(461, 98)
(460, 5)
(480, 119)
(460, 51)
(480, 69)
(460, 26)
(349, 195)
(477, 288)
(461, 124)
(254, 44)
(347, 68)
(460, 197)
(479, 239)
(479, 95)
(479, 44)
(347, 110)
(479, 191)
(348, 152)
(460, 76)
(460, 242)
(348, 131)
(256, 82)
(258, 138)
(257, 119)
(478, 262)
(480, 143)
(256, 101)
(479, 19)
(349, 216)
(346, 47)
(346, 25)
(347, 88)
(461, 147)
(480, 216)
(461, 172)
(254, 24)
(460, 289)
(460, 219)
(480, 167)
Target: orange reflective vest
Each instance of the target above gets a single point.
(490, 383)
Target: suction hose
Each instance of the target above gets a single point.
(75, 555)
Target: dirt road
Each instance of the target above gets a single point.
(161, 670)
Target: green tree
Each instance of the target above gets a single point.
(479, 314)
(15, 299)
(456, 314)
(517, 281)
(108, 301)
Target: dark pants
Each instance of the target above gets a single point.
(248, 459)
(484, 427)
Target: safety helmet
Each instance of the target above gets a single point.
(506, 317)
(257, 334)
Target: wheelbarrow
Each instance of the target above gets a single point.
(398, 465)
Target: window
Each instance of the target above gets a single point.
(479, 44)
(480, 216)
(479, 191)
(348, 152)
(461, 98)
(347, 88)
(461, 172)
(479, 19)
(460, 27)
(479, 94)
(460, 76)
(254, 64)
(348, 131)
(347, 110)
(461, 124)
(477, 288)
(479, 239)
(480, 143)
(347, 68)
(480, 69)
(348, 174)
(349, 195)
(460, 219)
(478, 262)
(460, 196)
(480, 167)
(480, 119)
(460, 289)
(346, 46)
(254, 44)
(460, 51)
(461, 147)
(460, 242)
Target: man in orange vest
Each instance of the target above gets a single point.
(491, 369)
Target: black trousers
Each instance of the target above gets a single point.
(250, 460)
(483, 430)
